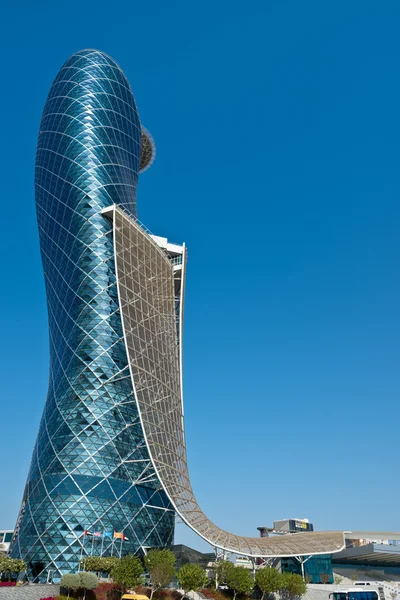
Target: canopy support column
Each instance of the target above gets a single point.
(302, 560)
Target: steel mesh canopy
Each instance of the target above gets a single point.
(145, 281)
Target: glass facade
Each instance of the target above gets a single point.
(317, 569)
(90, 469)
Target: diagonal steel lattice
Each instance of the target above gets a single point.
(90, 468)
(145, 281)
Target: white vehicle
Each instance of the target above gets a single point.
(354, 594)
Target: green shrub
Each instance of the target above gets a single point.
(239, 579)
(161, 567)
(268, 580)
(128, 572)
(191, 577)
(88, 581)
(70, 581)
(103, 564)
(292, 586)
(11, 565)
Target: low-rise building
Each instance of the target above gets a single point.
(5, 538)
(184, 555)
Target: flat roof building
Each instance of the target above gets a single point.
(293, 525)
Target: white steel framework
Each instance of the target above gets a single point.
(150, 287)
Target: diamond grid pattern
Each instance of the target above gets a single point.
(90, 467)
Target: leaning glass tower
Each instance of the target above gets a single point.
(91, 475)
(110, 461)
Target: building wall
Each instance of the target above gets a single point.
(185, 554)
(5, 538)
(90, 468)
(293, 525)
(317, 569)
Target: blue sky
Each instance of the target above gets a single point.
(278, 159)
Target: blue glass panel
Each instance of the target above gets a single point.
(90, 450)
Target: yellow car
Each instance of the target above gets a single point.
(134, 597)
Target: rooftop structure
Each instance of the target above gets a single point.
(370, 554)
(292, 525)
(369, 548)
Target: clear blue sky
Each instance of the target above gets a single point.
(277, 129)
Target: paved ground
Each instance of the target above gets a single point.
(313, 593)
(29, 592)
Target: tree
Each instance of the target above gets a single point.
(128, 572)
(88, 581)
(338, 579)
(191, 578)
(268, 580)
(240, 581)
(70, 581)
(99, 564)
(325, 577)
(221, 568)
(91, 563)
(353, 576)
(292, 586)
(161, 567)
(11, 565)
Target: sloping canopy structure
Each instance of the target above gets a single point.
(149, 302)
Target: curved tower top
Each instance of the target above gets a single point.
(90, 132)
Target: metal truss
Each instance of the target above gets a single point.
(147, 298)
(221, 554)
